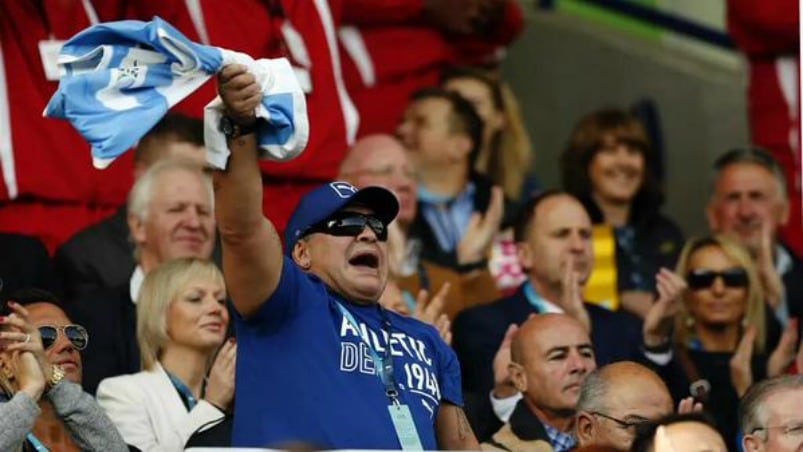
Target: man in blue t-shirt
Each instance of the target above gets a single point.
(319, 361)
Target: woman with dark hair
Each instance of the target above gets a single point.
(609, 165)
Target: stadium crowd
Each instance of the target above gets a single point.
(406, 282)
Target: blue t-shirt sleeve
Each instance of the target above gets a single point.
(283, 303)
(449, 375)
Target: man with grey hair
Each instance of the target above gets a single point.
(101, 255)
(170, 215)
(771, 416)
(749, 204)
(614, 400)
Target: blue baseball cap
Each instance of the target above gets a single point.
(327, 199)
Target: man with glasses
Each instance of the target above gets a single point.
(551, 355)
(319, 361)
(62, 341)
(771, 416)
(614, 400)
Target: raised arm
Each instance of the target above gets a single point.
(252, 250)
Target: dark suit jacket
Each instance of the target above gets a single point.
(24, 263)
(478, 332)
(110, 318)
(99, 256)
(793, 284)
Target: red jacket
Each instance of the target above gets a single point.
(406, 54)
(767, 32)
(45, 159)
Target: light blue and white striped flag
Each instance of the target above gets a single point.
(118, 79)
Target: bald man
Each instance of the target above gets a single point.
(614, 399)
(383, 161)
(551, 355)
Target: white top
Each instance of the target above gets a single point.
(147, 410)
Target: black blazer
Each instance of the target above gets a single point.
(97, 257)
(110, 318)
(478, 332)
(793, 284)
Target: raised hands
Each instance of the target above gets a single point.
(659, 319)
(220, 383)
(482, 229)
(430, 310)
(572, 294)
(240, 93)
(688, 405)
(740, 370)
(503, 385)
(23, 352)
(784, 353)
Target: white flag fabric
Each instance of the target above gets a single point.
(118, 79)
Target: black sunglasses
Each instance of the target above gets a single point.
(76, 334)
(703, 279)
(350, 224)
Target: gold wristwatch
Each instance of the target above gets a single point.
(56, 375)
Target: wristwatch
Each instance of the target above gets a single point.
(56, 375)
(231, 129)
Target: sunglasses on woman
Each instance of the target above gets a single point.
(351, 224)
(702, 279)
(76, 334)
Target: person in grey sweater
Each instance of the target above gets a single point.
(28, 378)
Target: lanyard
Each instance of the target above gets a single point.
(184, 391)
(37, 445)
(535, 300)
(383, 364)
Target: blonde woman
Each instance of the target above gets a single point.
(181, 325)
(506, 153)
(28, 379)
(721, 343)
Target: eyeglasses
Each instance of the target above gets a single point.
(76, 334)
(795, 429)
(703, 279)
(623, 424)
(350, 224)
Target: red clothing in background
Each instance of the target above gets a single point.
(402, 53)
(48, 186)
(767, 32)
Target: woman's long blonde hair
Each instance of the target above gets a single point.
(509, 157)
(754, 311)
(161, 287)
